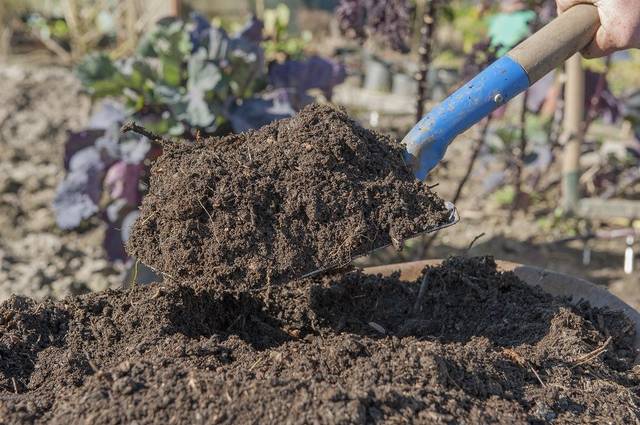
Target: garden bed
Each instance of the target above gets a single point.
(479, 346)
(220, 342)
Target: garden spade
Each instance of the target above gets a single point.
(507, 77)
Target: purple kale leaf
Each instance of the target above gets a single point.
(122, 182)
(252, 30)
(200, 32)
(79, 140)
(78, 195)
(303, 75)
(259, 111)
(107, 114)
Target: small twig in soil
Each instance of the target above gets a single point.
(205, 210)
(92, 365)
(536, 375)
(473, 242)
(421, 291)
(592, 355)
(15, 386)
(148, 218)
(519, 359)
(134, 278)
(522, 151)
(378, 328)
(133, 127)
(480, 141)
(255, 364)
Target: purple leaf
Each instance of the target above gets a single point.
(107, 114)
(127, 224)
(73, 202)
(539, 91)
(115, 209)
(607, 105)
(259, 111)
(76, 141)
(135, 151)
(79, 193)
(313, 73)
(119, 218)
(87, 160)
(108, 143)
(252, 30)
(199, 35)
(121, 181)
(113, 244)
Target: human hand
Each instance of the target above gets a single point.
(620, 25)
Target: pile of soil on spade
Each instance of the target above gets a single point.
(266, 206)
(478, 347)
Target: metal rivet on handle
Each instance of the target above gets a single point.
(498, 98)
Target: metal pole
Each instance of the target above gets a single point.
(573, 132)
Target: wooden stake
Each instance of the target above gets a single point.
(573, 132)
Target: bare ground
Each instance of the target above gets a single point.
(37, 107)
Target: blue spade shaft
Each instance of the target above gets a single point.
(427, 143)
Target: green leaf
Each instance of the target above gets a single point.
(505, 196)
(171, 71)
(508, 29)
(247, 61)
(137, 72)
(99, 74)
(198, 112)
(203, 75)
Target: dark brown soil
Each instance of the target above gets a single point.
(480, 347)
(266, 206)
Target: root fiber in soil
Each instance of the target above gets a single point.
(266, 206)
(479, 347)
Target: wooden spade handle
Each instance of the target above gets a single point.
(566, 35)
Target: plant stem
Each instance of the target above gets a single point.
(474, 157)
(477, 148)
(132, 126)
(427, 31)
(592, 109)
(522, 149)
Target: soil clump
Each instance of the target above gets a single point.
(266, 206)
(479, 347)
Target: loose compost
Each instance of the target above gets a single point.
(229, 338)
(296, 196)
(478, 347)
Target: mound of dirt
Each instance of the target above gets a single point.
(265, 206)
(478, 347)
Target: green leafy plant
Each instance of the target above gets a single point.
(279, 43)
